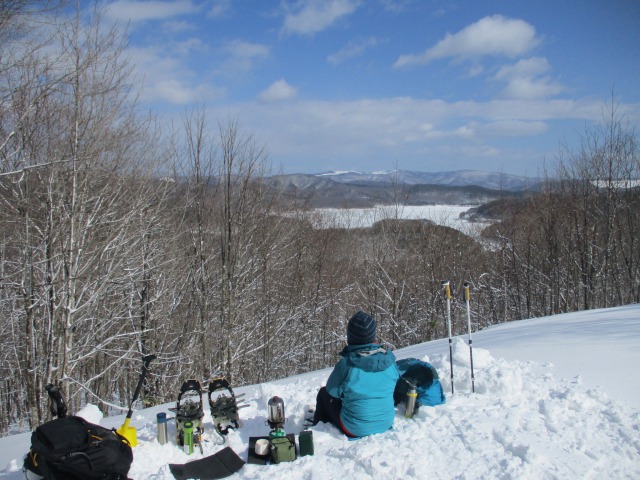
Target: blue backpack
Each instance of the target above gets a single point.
(424, 376)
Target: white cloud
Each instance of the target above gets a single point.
(490, 36)
(179, 92)
(509, 128)
(278, 91)
(219, 8)
(475, 70)
(472, 153)
(138, 11)
(351, 50)
(528, 79)
(530, 67)
(187, 47)
(166, 78)
(313, 16)
(242, 56)
(378, 129)
(242, 49)
(397, 6)
(178, 26)
(530, 88)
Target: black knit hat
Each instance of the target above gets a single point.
(361, 329)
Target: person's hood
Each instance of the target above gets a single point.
(370, 357)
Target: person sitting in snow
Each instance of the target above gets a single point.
(358, 397)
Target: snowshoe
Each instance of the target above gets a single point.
(189, 412)
(224, 405)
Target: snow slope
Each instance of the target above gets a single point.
(556, 398)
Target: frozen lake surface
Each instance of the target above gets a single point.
(446, 215)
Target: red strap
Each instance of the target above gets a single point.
(346, 432)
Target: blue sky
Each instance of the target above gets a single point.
(373, 85)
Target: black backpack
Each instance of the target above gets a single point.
(70, 448)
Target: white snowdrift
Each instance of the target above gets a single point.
(556, 398)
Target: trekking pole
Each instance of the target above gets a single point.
(447, 289)
(467, 300)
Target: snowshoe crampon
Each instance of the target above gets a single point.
(224, 405)
(189, 412)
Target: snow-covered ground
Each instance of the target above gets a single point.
(556, 398)
(446, 215)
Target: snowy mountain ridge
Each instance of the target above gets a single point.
(352, 189)
(458, 178)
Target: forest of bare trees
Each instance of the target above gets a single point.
(120, 237)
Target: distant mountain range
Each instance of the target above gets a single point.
(357, 189)
(457, 178)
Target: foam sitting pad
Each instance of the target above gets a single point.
(219, 465)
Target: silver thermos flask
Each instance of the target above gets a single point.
(412, 396)
(275, 409)
(161, 419)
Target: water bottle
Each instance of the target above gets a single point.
(412, 396)
(161, 420)
(187, 432)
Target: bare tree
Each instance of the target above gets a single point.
(597, 180)
(76, 216)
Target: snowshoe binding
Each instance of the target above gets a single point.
(189, 413)
(224, 405)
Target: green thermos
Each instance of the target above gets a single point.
(187, 431)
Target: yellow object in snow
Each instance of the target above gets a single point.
(128, 432)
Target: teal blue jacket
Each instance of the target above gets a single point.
(364, 379)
